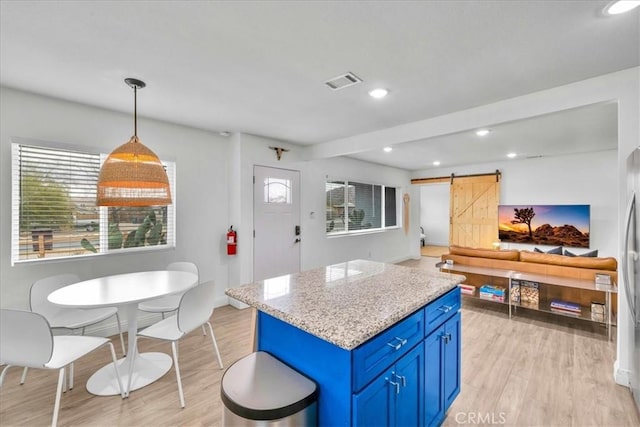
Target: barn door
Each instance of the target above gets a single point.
(474, 211)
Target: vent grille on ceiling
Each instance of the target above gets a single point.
(345, 80)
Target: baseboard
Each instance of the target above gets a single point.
(621, 376)
(401, 259)
(237, 304)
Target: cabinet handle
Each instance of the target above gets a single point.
(396, 346)
(445, 338)
(401, 378)
(395, 384)
(445, 308)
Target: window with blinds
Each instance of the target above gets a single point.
(54, 214)
(353, 207)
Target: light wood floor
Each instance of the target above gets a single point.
(528, 371)
(433, 251)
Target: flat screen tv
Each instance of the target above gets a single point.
(555, 225)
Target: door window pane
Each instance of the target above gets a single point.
(277, 190)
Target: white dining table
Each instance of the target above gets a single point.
(125, 291)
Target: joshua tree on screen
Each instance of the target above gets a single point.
(524, 216)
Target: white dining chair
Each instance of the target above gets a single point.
(26, 340)
(194, 310)
(169, 303)
(67, 318)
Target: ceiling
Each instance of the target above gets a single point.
(259, 66)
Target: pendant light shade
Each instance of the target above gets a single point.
(133, 175)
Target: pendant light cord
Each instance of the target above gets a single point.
(135, 111)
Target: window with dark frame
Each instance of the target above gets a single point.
(353, 207)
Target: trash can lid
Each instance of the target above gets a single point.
(261, 387)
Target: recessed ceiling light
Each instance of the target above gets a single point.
(387, 149)
(378, 93)
(436, 163)
(483, 132)
(511, 155)
(622, 6)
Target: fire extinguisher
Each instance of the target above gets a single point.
(232, 241)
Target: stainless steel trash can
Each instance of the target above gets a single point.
(260, 390)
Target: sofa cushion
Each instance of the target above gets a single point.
(505, 254)
(580, 262)
(593, 253)
(557, 251)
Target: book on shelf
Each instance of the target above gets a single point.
(525, 293)
(494, 290)
(566, 312)
(467, 289)
(492, 293)
(491, 297)
(566, 305)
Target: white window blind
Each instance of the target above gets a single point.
(54, 214)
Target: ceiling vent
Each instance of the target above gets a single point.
(345, 80)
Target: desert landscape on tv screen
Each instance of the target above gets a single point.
(554, 225)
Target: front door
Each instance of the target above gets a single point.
(276, 222)
(474, 211)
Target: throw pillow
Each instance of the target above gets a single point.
(593, 253)
(555, 251)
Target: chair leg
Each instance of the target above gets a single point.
(215, 345)
(115, 366)
(178, 379)
(4, 372)
(71, 376)
(204, 331)
(124, 350)
(56, 406)
(24, 375)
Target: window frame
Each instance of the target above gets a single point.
(102, 219)
(361, 231)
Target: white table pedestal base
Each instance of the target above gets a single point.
(149, 367)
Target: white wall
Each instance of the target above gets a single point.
(202, 183)
(434, 213)
(316, 248)
(388, 246)
(585, 179)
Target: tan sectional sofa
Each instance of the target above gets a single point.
(532, 262)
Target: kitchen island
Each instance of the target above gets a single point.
(381, 341)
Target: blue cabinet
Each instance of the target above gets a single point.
(442, 373)
(395, 397)
(407, 375)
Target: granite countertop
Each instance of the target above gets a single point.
(347, 303)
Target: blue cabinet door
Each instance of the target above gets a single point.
(409, 373)
(434, 378)
(374, 405)
(451, 360)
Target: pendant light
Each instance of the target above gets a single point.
(133, 175)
